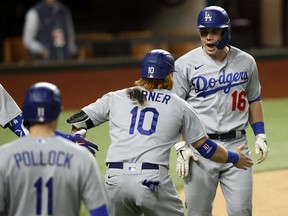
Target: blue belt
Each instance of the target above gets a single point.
(119, 165)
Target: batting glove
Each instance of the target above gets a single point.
(152, 185)
(78, 138)
(261, 146)
(183, 154)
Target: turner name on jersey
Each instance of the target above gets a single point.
(150, 96)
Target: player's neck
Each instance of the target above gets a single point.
(220, 55)
(42, 130)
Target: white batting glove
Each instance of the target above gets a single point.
(261, 146)
(183, 154)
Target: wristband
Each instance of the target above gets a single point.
(102, 210)
(258, 128)
(207, 149)
(233, 157)
(66, 136)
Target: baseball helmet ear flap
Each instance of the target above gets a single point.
(42, 103)
(225, 39)
(157, 64)
(216, 17)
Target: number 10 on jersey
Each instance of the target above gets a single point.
(142, 115)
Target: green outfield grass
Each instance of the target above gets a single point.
(276, 119)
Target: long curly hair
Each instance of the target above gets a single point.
(151, 84)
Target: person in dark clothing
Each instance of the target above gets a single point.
(49, 32)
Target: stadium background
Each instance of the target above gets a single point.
(111, 60)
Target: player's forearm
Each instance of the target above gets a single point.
(256, 112)
(215, 152)
(220, 155)
(256, 118)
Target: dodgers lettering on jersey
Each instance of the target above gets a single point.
(226, 81)
(34, 159)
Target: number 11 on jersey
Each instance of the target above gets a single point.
(39, 190)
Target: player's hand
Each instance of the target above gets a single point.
(183, 154)
(44, 53)
(78, 138)
(244, 161)
(261, 146)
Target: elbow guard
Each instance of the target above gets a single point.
(207, 149)
(80, 120)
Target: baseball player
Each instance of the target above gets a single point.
(221, 83)
(11, 117)
(145, 122)
(45, 174)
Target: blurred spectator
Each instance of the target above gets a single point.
(49, 32)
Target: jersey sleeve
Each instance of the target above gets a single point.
(8, 107)
(181, 85)
(192, 128)
(30, 30)
(93, 191)
(99, 111)
(254, 88)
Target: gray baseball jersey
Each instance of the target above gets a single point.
(8, 107)
(219, 92)
(144, 134)
(48, 176)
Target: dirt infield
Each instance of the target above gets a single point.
(270, 195)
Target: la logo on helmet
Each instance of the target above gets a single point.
(208, 17)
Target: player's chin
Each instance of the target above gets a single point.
(210, 48)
